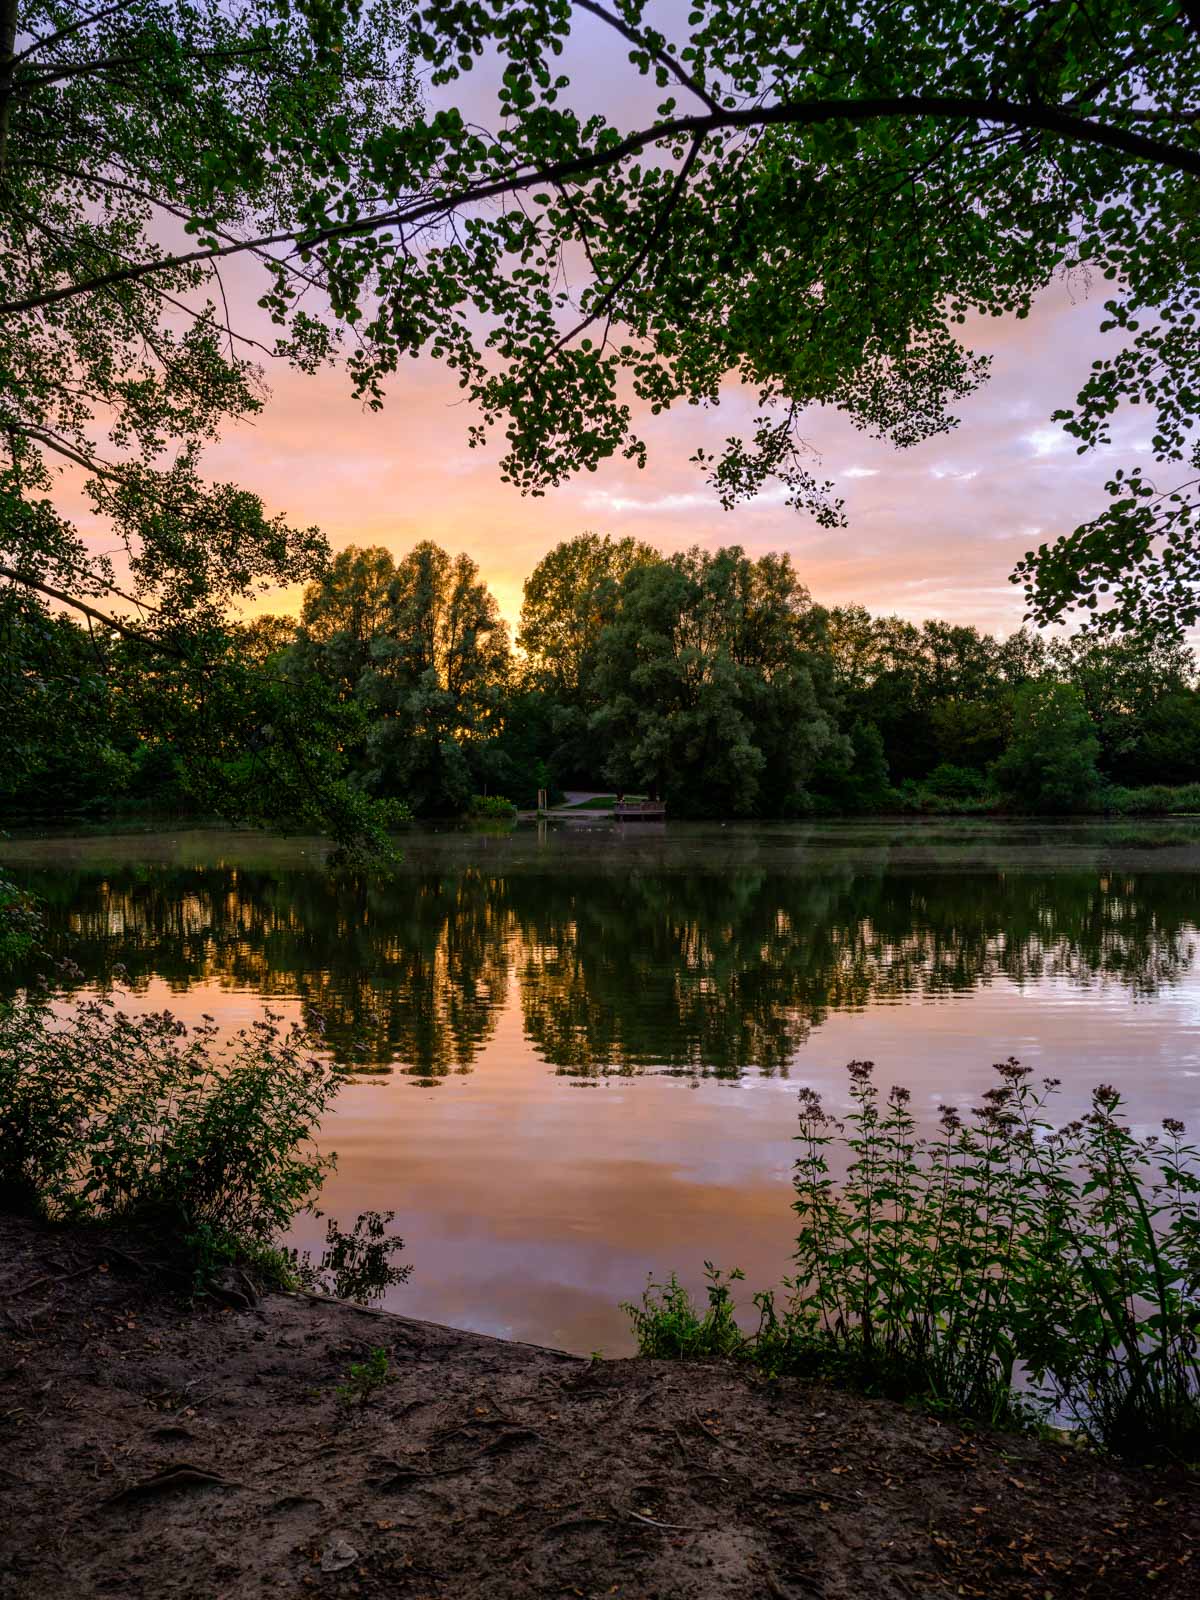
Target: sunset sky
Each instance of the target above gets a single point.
(932, 531)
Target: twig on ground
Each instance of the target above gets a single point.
(36, 1283)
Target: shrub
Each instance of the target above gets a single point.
(1156, 799)
(955, 783)
(363, 1378)
(1050, 764)
(491, 805)
(919, 798)
(141, 1122)
(20, 924)
(1001, 1268)
(667, 1324)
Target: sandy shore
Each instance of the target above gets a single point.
(151, 1450)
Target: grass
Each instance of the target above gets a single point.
(1003, 1269)
(1158, 799)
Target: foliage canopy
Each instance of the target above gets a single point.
(811, 203)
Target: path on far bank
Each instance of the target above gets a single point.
(151, 1451)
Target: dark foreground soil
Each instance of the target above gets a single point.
(148, 1450)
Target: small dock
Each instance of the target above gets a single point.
(640, 810)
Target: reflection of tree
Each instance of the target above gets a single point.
(648, 969)
(683, 973)
(419, 974)
(411, 970)
(718, 974)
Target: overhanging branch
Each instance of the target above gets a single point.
(951, 108)
(26, 580)
(638, 40)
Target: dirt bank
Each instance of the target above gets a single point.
(148, 1451)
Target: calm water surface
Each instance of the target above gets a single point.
(576, 1049)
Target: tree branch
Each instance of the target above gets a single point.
(63, 448)
(91, 612)
(953, 108)
(80, 69)
(605, 303)
(661, 56)
(97, 180)
(49, 39)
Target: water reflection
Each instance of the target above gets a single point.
(653, 969)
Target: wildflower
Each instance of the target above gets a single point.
(1012, 1071)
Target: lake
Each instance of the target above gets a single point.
(576, 1049)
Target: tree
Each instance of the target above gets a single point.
(345, 611)
(711, 687)
(569, 597)
(936, 693)
(1051, 763)
(419, 649)
(436, 685)
(1167, 747)
(852, 777)
(1121, 680)
(66, 748)
(822, 197)
(147, 133)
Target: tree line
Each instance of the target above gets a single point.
(710, 678)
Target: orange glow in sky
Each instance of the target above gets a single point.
(933, 531)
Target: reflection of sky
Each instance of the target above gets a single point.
(532, 1204)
